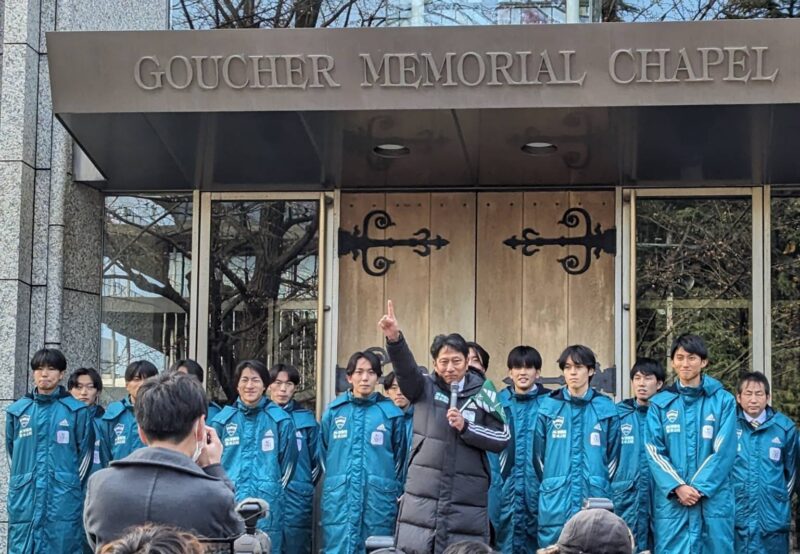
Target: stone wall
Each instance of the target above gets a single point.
(50, 227)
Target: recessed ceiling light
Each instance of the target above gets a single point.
(390, 150)
(539, 148)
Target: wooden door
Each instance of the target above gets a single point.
(477, 284)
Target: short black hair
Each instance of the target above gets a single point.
(389, 379)
(468, 547)
(255, 365)
(524, 356)
(579, 354)
(192, 368)
(753, 377)
(291, 373)
(482, 354)
(72, 382)
(167, 406)
(454, 341)
(693, 344)
(140, 369)
(371, 357)
(49, 357)
(649, 366)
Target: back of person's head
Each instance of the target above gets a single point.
(91, 372)
(524, 356)
(49, 357)
(290, 370)
(481, 352)
(649, 366)
(692, 344)
(453, 341)
(374, 362)
(154, 539)
(596, 531)
(753, 377)
(191, 367)
(168, 405)
(141, 369)
(468, 547)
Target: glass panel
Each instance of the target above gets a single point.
(694, 274)
(147, 264)
(263, 290)
(786, 303)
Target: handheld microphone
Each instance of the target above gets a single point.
(454, 395)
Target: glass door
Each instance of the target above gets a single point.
(259, 294)
(695, 262)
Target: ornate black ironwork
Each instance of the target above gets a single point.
(594, 242)
(359, 242)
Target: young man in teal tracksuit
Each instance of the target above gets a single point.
(363, 454)
(632, 482)
(518, 500)
(259, 448)
(575, 446)
(392, 389)
(118, 430)
(691, 448)
(49, 441)
(299, 496)
(765, 470)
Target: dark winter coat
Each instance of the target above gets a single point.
(446, 491)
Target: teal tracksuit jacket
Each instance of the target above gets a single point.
(49, 440)
(691, 440)
(299, 495)
(119, 433)
(575, 454)
(363, 454)
(259, 454)
(763, 478)
(632, 484)
(519, 484)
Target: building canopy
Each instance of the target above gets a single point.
(554, 105)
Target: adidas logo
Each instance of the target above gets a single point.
(269, 433)
(776, 440)
(63, 423)
(381, 427)
(711, 417)
(597, 427)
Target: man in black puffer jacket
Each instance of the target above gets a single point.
(447, 487)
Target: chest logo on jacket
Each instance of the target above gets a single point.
(119, 429)
(672, 427)
(441, 397)
(299, 436)
(558, 432)
(340, 432)
(62, 435)
(377, 436)
(25, 431)
(232, 439)
(268, 442)
(626, 429)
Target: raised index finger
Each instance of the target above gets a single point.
(390, 309)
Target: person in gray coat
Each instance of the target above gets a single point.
(446, 492)
(177, 480)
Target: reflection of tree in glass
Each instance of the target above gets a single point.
(785, 285)
(693, 274)
(263, 288)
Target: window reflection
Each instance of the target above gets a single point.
(263, 289)
(147, 265)
(785, 285)
(694, 274)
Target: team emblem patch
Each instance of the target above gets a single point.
(672, 415)
(25, 420)
(231, 428)
(62, 437)
(268, 442)
(626, 429)
(119, 428)
(738, 433)
(708, 431)
(377, 438)
(558, 422)
(775, 454)
(340, 421)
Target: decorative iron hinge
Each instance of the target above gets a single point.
(593, 242)
(358, 242)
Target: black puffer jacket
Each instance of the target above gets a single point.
(448, 476)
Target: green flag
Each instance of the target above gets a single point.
(486, 400)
